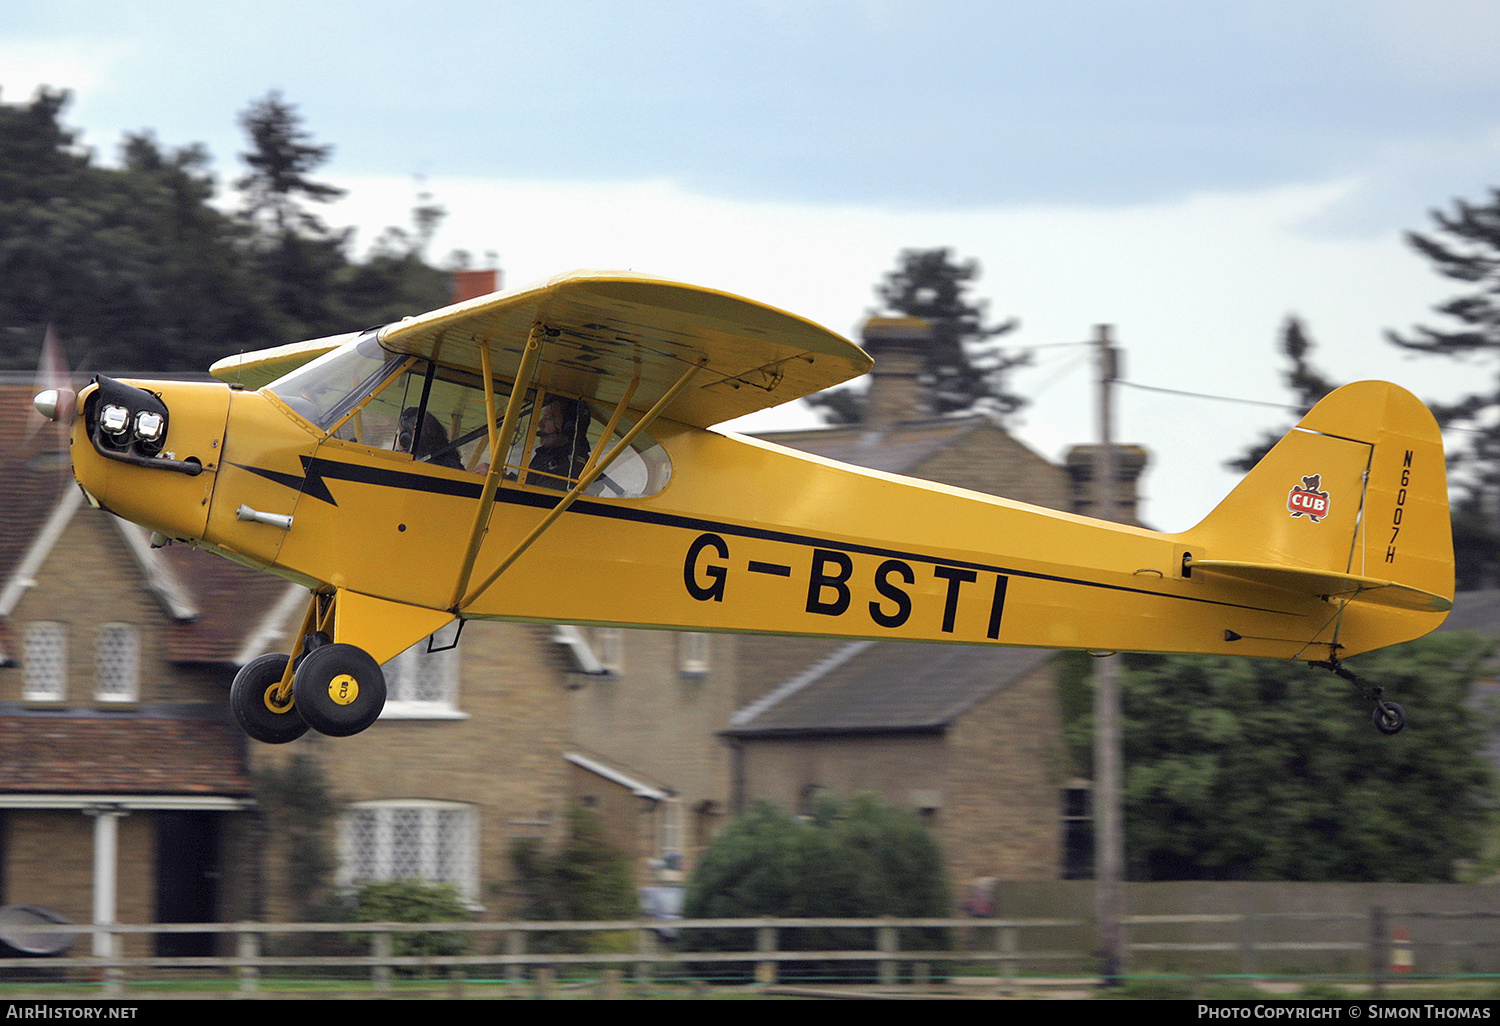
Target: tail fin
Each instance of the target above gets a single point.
(1353, 505)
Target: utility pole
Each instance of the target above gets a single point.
(1109, 844)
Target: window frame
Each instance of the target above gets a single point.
(130, 692)
(55, 688)
(384, 825)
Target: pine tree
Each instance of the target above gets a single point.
(1466, 248)
(300, 255)
(964, 367)
(1307, 383)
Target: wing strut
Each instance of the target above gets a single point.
(587, 479)
(498, 447)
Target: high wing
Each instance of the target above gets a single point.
(601, 330)
(263, 366)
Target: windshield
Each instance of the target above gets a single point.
(326, 389)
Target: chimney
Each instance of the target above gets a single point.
(897, 345)
(1084, 462)
(473, 284)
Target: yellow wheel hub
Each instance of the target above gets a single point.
(343, 689)
(276, 704)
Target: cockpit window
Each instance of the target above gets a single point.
(364, 394)
(326, 389)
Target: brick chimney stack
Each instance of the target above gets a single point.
(473, 284)
(897, 345)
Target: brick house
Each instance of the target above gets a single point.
(123, 785)
(128, 794)
(969, 737)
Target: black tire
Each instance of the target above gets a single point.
(1389, 717)
(252, 700)
(340, 689)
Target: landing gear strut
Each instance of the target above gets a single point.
(1388, 717)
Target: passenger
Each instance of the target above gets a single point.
(434, 440)
(562, 443)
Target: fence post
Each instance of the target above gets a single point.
(1249, 964)
(249, 947)
(515, 944)
(765, 941)
(380, 973)
(646, 946)
(885, 942)
(544, 975)
(1379, 954)
(1008, 943)
(114, 974)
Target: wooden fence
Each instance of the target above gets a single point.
(1002, 954)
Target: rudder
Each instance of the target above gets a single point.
(1355, 494)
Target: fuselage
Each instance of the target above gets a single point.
(740, 536)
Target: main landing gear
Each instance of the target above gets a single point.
(335, 689)
(1388, 717)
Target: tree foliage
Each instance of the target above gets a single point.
(585, 879)
(300, 811)
(1308, 385)
(138, 268)
(1466, 248)
(964, 367)
(1247, 769)
(857, 858)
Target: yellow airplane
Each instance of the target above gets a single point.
(542, 455)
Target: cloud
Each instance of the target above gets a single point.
(76, 65)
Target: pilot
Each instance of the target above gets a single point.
(562, 443)
(434, 439)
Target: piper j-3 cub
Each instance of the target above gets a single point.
(542, 454)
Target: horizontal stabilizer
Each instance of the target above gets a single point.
(1327, 583)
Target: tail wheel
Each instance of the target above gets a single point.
(340, 689)
(256, 708)
(1389, 717)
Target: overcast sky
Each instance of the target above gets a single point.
(1190, 171)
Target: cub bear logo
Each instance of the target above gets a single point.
(1308, 501)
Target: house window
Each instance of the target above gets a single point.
(421, 683)
(45, 653)
(609, 646)
(669, 837)
(117, 654)
(433, 841)
(692, 654)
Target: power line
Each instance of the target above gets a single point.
(1205, 395)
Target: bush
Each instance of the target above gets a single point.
(414, 901)
(855, 859)
(585, 880)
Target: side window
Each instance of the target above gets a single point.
(438, 415)
(570, 440)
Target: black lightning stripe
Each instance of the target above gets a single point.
(317, 471)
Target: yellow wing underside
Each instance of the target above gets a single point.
(601, 330)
